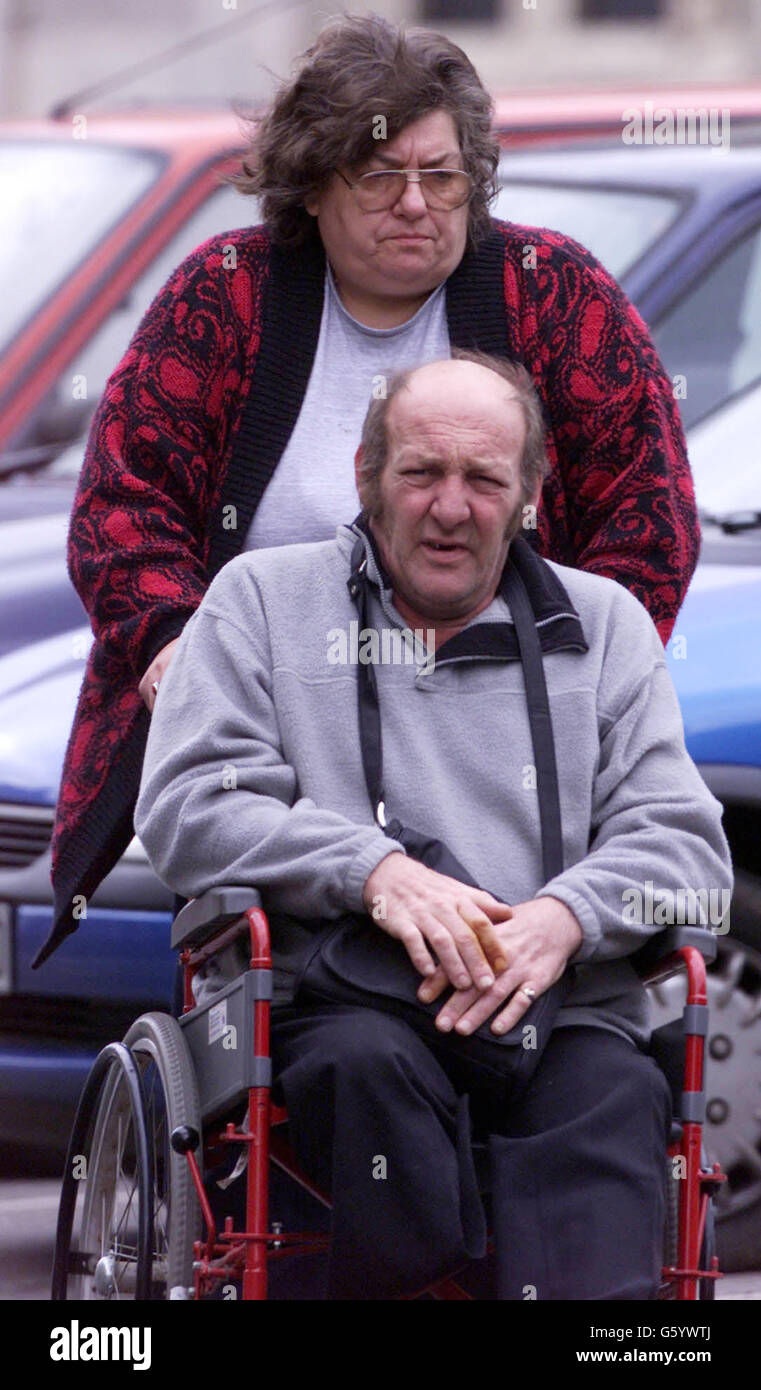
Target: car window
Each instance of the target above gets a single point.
(58, 201)
(616, 225)
(712, 336)
(224, 210)
(724, 454)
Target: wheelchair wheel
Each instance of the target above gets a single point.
(707, 1287)
(133, 1178)
(671, 1228)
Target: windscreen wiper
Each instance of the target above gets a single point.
(26, 460)
(732, 522)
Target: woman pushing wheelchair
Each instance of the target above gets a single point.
(231, 422)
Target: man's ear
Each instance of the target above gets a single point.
(358, 465)
(312, 203)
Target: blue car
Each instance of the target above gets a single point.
(681, 230)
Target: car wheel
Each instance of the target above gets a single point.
(732, 1130)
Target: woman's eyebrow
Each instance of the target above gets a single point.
(437, 161)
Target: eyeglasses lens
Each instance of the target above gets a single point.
(442, 188)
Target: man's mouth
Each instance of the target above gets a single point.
(445, 547)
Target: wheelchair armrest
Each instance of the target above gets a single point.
(650, 961)
(199, 919)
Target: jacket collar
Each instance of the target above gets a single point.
(557, 621)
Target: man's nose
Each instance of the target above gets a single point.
(450, 505)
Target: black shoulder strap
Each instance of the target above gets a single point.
(540, 719)
(370, 734)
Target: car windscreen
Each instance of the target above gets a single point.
(58, 200)
(616, 224)
(61, 419)
(723, 451)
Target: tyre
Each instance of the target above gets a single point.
(671, 1228)
(732, 1129)
(707, 1287)
(127, 1173)
(157, 1043)
(78, 1250)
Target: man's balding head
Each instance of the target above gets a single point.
(457, 389)
(448, 462)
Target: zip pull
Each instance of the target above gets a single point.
(358, 567)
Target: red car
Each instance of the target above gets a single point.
(104, 206)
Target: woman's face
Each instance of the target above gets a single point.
(405, 250)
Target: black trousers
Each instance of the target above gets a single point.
(575, 1169)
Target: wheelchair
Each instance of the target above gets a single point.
(152, 1128)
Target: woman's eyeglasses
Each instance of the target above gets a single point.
(442, 189)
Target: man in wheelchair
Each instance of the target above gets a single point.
(470, 762)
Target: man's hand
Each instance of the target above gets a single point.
(424, 908)
(155, 671)
(537, 943)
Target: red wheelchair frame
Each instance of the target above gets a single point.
(245, 1254)
(132, 1253)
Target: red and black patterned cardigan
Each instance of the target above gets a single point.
(198, 412)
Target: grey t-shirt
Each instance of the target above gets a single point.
(312, 490)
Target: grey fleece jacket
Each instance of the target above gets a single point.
(253, 774)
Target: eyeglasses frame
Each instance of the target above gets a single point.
(413, 176)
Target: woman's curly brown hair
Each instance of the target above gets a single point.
(360, 68)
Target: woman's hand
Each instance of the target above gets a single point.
(155, 671)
